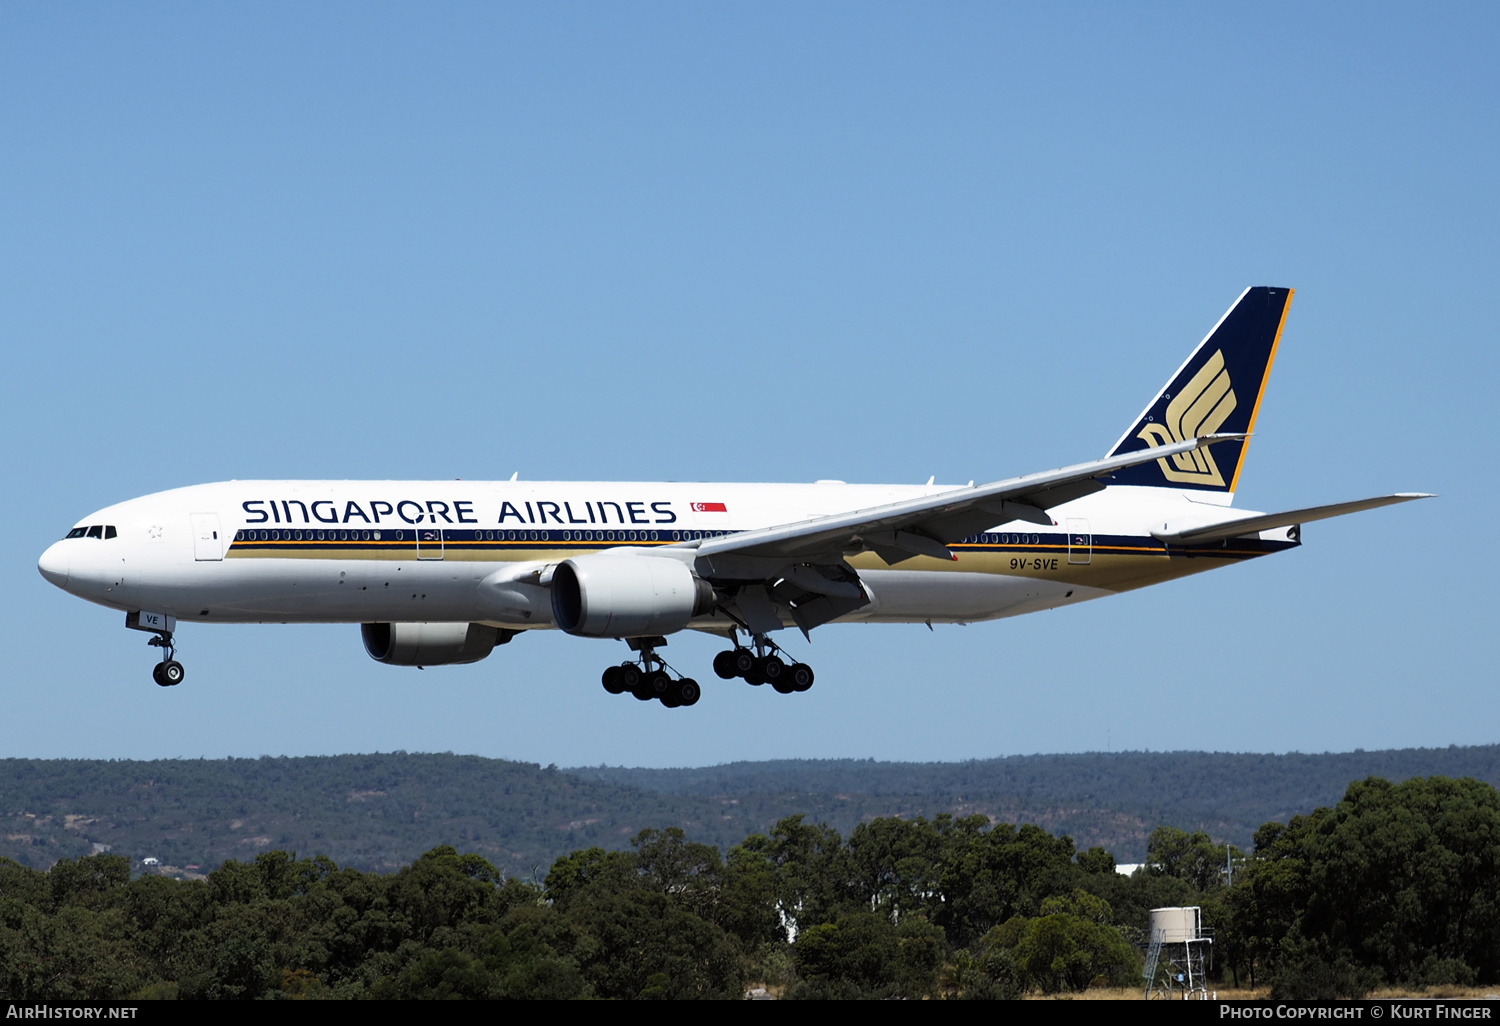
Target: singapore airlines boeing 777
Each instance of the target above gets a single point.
(443, 571)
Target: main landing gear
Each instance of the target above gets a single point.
(649, 678)
(169, 671)
(763, 666)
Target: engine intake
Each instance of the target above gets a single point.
(430, 644)
(619, 596)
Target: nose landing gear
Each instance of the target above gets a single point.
(169, 671)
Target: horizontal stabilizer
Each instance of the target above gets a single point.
(1267, 521)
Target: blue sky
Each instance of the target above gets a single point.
(873, 242)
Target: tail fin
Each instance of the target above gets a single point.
(1218, 390)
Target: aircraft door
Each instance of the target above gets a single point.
(429, 543)
(207, 544)
(1080, 541)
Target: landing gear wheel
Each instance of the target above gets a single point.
(724, 665)
(657, 683)
(772, 669)
(612, 682)
(630, 676)
(801, 676)
(687, 691)
(784, 685)
(753, 675)
(744, 662)
(169, 671)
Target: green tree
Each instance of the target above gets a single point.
(749, 909)
(1096, 861)
(812, 871)
(992, 876)
(1397, 882)
(638, 935)
(690, 874)
(1062, 951)
(1192, 857)
(864, 955)
(1407, 877)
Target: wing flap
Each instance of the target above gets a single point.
(910, 541)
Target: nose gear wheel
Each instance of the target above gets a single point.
(169, 672)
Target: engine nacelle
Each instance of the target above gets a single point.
(620, 596)
(429, 644)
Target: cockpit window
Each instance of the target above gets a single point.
(100, 531)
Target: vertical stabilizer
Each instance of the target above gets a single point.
(1217, 391)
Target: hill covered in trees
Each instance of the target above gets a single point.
(380, 812)
(1109, 799)
(1393, 884)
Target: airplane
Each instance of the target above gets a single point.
(442, 572)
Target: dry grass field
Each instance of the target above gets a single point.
(1264, 994)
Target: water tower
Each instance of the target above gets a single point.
(1174, 961)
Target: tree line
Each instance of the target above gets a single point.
(1395, 884)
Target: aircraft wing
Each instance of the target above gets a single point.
(1265, 522)
(922, 526)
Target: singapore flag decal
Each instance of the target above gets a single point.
(710, 514)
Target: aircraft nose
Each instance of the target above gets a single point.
(54, 564)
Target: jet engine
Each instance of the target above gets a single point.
(429, 644)
(620, 596)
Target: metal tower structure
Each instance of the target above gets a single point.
(1174, 961)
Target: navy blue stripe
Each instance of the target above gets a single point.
(456, 539)
(488, 540)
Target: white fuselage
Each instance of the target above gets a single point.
(431, 551)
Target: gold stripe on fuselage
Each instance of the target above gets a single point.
(1114, 567)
